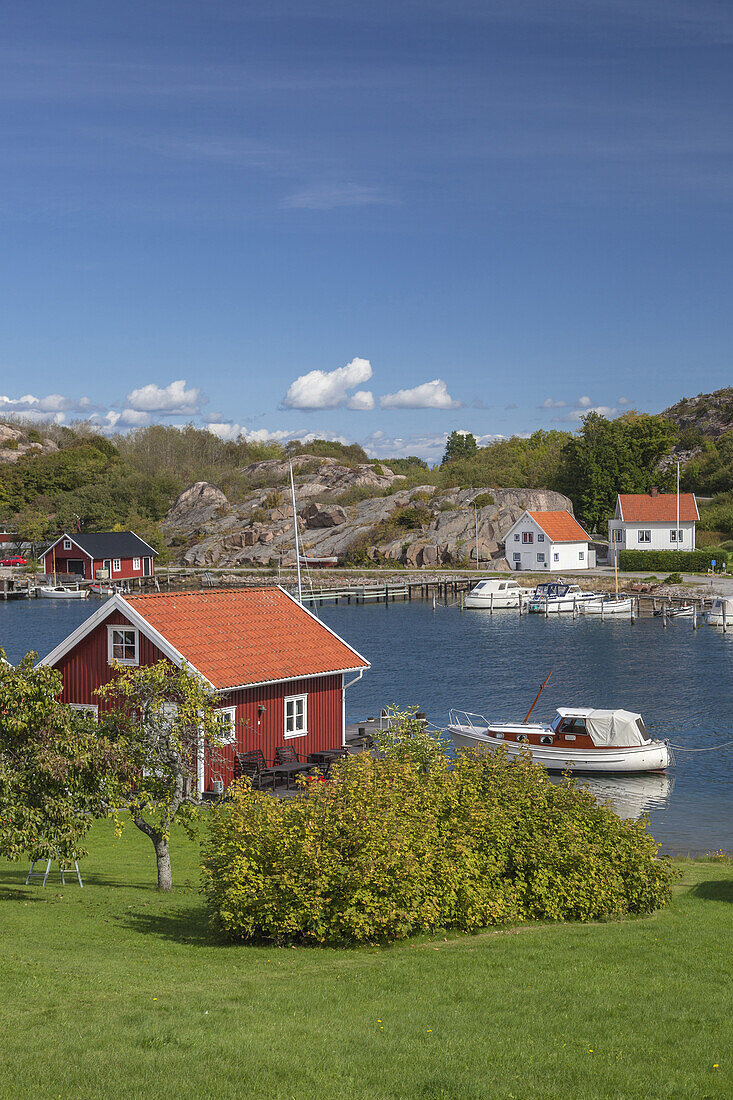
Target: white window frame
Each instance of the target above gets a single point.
(527, 538)
(229, 736)
(116, 565)
(295, 732)
(136, 563)
(541, 557)
(581, 555)
(676, 535)
(110, 645)
(645, 535)
(517, 556)
(555, 556)
(93, 707)
(516, 537)
(540, 537)
(67, 544)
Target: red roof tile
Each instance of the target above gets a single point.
(661, 508)
(560, 526)
(245, 636)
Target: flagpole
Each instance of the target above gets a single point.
(677, 533)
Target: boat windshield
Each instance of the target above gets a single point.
(551, 590)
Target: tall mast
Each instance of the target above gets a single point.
(295, 534)
(677, 532)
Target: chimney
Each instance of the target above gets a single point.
(654, 491)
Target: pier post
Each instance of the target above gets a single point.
(491, 604)
(725, 618)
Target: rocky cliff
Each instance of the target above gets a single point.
(420, 526)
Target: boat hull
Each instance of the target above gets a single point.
(637, 758)
(606, 607)
(557, 605)
(63, 594)
(500, 603)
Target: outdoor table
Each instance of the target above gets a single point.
(289, 770)
(326, 756)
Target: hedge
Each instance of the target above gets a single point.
(668, 561)
(386, 850)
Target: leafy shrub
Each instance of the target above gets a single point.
(416, 515)
(482, 500)
(388, 850)
(673, 578)
(693, 561)
(274, 499)
(258, 515)
(406, 737)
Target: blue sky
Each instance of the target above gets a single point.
(377, 222)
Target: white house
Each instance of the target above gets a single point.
(547, 540)
(648, 521)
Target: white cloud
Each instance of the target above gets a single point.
(362, 401)
(578, 414)
(328, 197)
(622, 401)
(134, 418)
(584, 402)
(171, 400)
(548, 403)
(321, 389)
(429, 395)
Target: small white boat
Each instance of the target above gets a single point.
(492, 594)
(555, 596)
(62, 592)
(684, 612)
(102, 590)
(601, 606)
(721, 613)
(579, 738)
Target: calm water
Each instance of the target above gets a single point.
(678, 680)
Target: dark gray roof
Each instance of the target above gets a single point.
(111, 544)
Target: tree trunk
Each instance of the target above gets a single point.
(162, 855)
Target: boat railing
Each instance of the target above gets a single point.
(455, 718)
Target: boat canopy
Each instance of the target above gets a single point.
(618, 728)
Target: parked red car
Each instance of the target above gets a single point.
(14, 561)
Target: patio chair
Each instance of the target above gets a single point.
(253, 764)
(286, 754)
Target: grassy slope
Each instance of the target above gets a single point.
(118, 991)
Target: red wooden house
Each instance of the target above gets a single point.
(279, 672)
(114, 555)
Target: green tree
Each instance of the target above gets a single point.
(57, 773)
(164, 720)
(459, 445)
(608, 457)
(34, 527)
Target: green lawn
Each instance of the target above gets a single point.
(117, 991)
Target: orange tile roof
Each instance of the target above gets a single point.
(560, 526)
(245, 636)
(661, 508)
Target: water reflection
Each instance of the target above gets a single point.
(630, 795)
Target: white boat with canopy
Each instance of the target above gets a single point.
(62, 592)
(583, 739)
(494, 593)
(556, 596)
(721, 613)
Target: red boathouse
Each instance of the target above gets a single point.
(280, 674)
(108, 555)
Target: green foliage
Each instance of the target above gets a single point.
(673, 578)
(56, 771)
(409, 465)
(517, 462)
(609, 457)
(718, 514)
(405, 737)
(459, 445)
(411, 516)
(350, 454)
(691, 561)
(388, 850)
(483, 500)
(711, 471)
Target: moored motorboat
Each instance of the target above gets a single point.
(555, 596)
(62, 592)
(602, 606)
(721, 613)
(684, 612)
(493, 594)
(580, 738)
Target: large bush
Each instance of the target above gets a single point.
(386, 851)
(691, 561)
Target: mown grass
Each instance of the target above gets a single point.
(118, 991)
